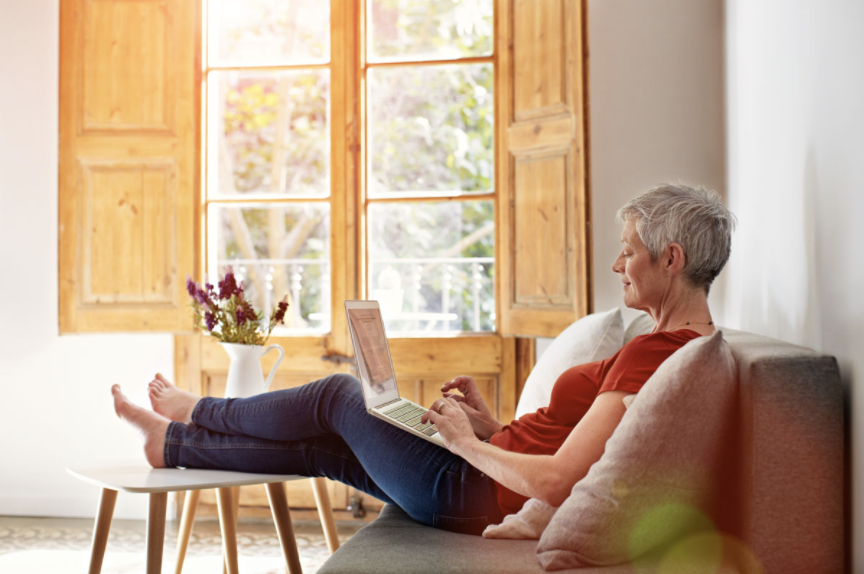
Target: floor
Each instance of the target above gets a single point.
(59, 545)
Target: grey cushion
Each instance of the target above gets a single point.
(395, 544)
(785, 499)
(657, 477)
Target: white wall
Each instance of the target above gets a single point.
(656, 94)
(657, 115)
(56, 407)
(795, 85)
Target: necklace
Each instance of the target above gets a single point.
(691, 323)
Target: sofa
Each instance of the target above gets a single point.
(783, 502)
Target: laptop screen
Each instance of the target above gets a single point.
(371, 352)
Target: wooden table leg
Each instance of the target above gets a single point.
(282, 517)
(101, 528)
(235, 494)
(229, 528)
(190, 505)
(325, 512)
(156, 531)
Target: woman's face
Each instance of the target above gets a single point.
(645, 282)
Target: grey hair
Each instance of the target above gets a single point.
(693, 217)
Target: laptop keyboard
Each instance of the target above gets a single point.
(409, 414)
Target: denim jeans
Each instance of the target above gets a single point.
(323, 429)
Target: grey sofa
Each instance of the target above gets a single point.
(783, 498)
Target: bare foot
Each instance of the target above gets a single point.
(171, 402)
(151, 426)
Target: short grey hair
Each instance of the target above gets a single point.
(693, 217)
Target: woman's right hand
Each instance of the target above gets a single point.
(472, 404)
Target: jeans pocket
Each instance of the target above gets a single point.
(473, 526)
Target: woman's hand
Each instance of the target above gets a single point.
(472, 404)
(452, 423)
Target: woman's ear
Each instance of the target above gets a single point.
(675, 259)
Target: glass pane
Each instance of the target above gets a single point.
(268, 32)
(429, 29)
(431, 129)
(432, 265)
(269, 133)
(277, 250)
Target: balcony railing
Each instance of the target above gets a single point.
(434, 294)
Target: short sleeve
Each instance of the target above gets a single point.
(638, 360)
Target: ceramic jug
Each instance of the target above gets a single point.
(245, 376)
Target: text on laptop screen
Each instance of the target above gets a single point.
(373, 359)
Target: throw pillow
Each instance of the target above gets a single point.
(641, 325)
(657, 477)
(592, 338)
(528, 523)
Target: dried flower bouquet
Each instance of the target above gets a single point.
(228, 316)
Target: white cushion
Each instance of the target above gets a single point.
(528, 524)
(641, 325)
(592, 338)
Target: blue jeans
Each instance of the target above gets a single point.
(323, 429)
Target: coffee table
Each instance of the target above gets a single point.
(158, 482)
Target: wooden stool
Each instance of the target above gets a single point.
(158, 482)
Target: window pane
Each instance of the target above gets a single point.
(278, 250)
(269, 133)
(429, 29)
(431, 129)
(431, 265)
(268, 32)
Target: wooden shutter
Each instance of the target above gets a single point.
(128, 192)
(544, 244)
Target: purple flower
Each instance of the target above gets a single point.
(279, 316)
(191, 287)
(210, 319)
(228, 286)
(240, 315)
(203, 299)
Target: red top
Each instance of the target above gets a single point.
(544, 431)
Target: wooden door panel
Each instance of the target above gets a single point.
(127, 174)
(129, 72)
(544, 243)
(539, 73)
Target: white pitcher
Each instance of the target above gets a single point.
(245, 376)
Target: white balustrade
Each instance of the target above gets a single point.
(447, 277)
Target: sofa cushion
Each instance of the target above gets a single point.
(641, 325)
(591, 338)
(656, 477)
(395, 544)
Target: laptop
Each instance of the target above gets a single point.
(377, 377)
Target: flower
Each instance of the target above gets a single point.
(190, 286)
(279, 315)
(228, 286)
(228, 316)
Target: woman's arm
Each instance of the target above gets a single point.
(549, 478)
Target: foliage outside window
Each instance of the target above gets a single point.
(429, 137)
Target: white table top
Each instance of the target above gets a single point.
(137, 477)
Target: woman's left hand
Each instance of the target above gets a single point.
(452, 423)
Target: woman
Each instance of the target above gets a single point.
(675, 241)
